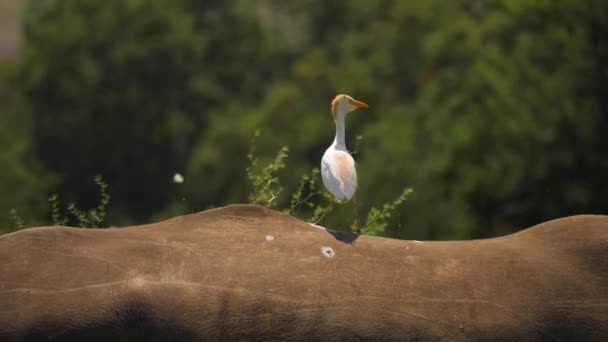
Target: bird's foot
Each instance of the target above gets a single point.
(316, 225)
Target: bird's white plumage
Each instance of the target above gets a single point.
(338, 173)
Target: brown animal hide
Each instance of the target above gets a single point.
(248, 273)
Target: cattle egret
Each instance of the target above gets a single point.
(338, 166)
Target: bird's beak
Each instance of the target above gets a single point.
(359, 104)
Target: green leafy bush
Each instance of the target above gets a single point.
(265, 185)
(84, 218)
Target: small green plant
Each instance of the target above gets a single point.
(99, 214)
(297, 198)
(58, 220)
(377, 219)
(81, 216)
(90, 218)
(319, 210)
(17, 219)
(313, 199)
(265, 185)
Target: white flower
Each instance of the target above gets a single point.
(177, 178)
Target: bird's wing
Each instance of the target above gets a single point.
(341, 167)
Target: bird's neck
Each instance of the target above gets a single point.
(339, 140)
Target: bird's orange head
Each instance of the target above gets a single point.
(345, 103)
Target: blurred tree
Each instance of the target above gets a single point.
(24, 182)
(506, 127)
(123, 88)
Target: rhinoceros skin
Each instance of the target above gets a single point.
(243, 272)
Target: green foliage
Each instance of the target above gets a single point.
(378, 219)
(98, 215)
(17, 219)
(306, 181)
(56, 217)
(315, 200)
(133, 83)
(23, 179)
(320, 209)
(81, 216)
(265, 185)
(84, 218)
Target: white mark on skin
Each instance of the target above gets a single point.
(416, 241)
(328, 252)
(269, 237)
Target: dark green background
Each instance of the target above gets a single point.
(495, 112)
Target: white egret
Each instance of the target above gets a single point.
(338, 166)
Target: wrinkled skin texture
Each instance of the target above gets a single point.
(248, 273)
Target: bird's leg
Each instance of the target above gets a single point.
(329, 208)
(356, 215)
